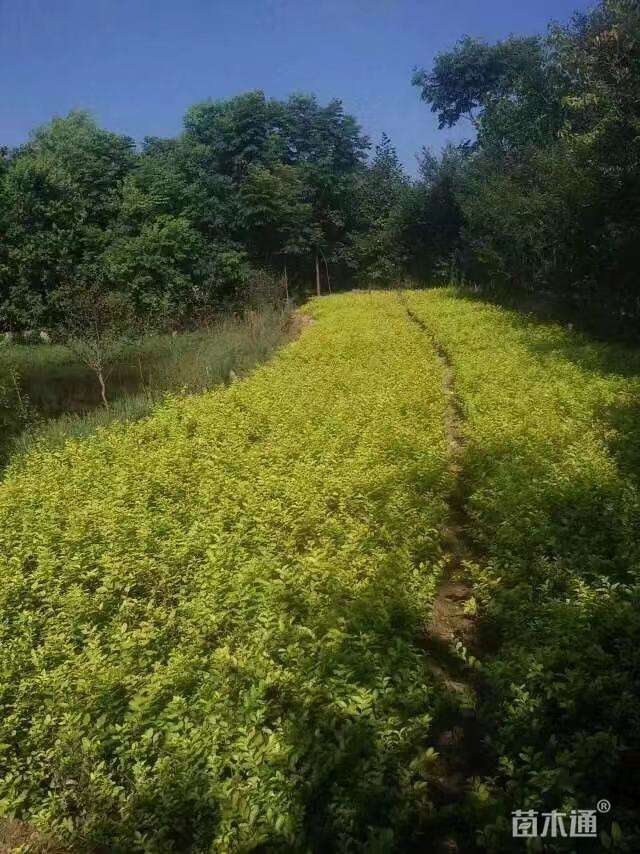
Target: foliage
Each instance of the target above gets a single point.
(551, 481)
(379, 192)
(210, 617)
(49, 396)
(96, 326)
(158, 266)
(542, 197)
(496, 87)
(427, 221)
(60, 194)
(251, 183)
(276, 215)
(549, 194)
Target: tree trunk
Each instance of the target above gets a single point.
(326, 267)
(286, 285)
(103, 389)
(318, 288)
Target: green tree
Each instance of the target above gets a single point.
(234, 133)
(275, 213)
(158, 265)
(380, 189)
(275, 178)
(509, 91)
(61, 197)
(96, 325)
(549, 195)
(180, 222)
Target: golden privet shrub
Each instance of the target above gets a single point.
(550, 472)
(209, 618)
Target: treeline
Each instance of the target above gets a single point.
(259, 194)
(547, 193)
(253, 190)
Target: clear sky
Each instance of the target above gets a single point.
(137, 64)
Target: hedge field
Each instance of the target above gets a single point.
(210, 617)
(551, 478)
(212, 621)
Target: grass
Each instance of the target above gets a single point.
(61, 399)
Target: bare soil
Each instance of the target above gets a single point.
(451, 642)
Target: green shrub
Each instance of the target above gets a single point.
(551, 480)
(210, 617)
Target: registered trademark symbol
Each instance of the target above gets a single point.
(603, 805)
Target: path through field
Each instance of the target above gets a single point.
(372, 598)
(450, 639)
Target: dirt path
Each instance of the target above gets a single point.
(451, 641)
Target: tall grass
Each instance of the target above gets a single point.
(48, 397)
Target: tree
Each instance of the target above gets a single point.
(379, 190)
(507, 91)
(321, 135)
(61, 197)
(275, 212)
(180, 222)
(600, 55)
(96, 326)
(549, 192)
(274, 178)
(235, 133)
(157, 264)
(5, 286)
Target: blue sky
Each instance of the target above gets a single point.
(138, 64)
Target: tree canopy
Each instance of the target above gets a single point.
(543, 196)
(250, 183)
(549, 194)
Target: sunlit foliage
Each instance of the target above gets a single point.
(550, 473)
(210, 618)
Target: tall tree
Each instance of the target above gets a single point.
(549, 197)
(62, 194)
(509, 91)
(249, 181)
(235, 133)
(380, 189)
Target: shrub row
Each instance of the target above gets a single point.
(552, 428)
(209, 618)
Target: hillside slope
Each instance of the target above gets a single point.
(220, 625)
(210, 617)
